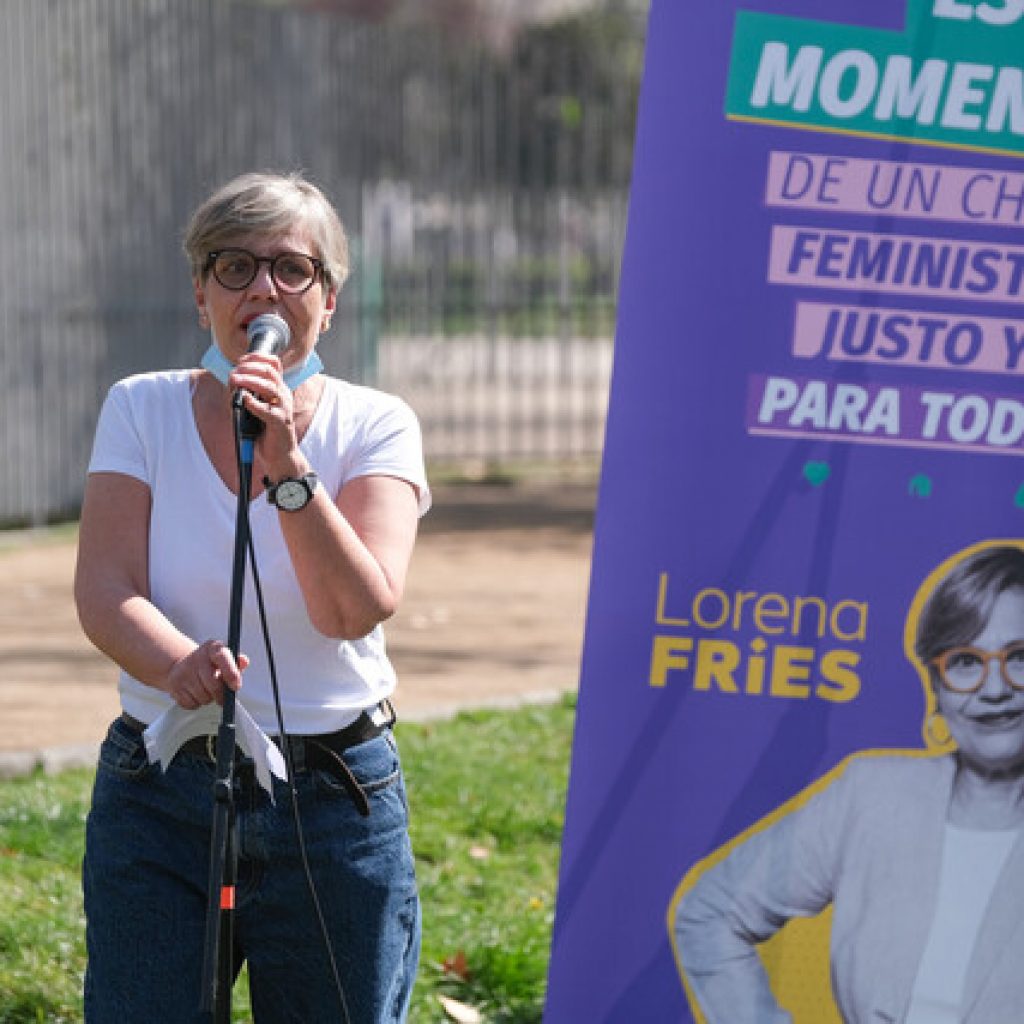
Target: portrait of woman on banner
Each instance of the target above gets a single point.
(916, 854)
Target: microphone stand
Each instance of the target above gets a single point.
(218, 954)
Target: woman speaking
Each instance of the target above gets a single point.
(920, 857)
(338, 488)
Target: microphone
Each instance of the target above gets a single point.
(268, 334)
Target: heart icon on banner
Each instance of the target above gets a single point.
(920, 486)
(816, 473)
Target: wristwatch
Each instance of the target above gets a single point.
(291, 493)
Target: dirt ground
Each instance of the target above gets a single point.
(493, 616)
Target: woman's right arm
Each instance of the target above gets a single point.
(717, 929)
(113, 601)
(783, 869)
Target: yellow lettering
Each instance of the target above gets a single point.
(756, 665)
(859, 609)
(785, 669)
(741, 599)
(667, 655)
(798, 612)
(661, 618)
(698, 602)
(771, 606)
(838, 667)
(737, 642)
(716, 662)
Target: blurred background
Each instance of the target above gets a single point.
(478, 151)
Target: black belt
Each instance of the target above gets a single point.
(322, 751)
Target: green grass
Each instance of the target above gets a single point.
(41, 923)
(487, 792)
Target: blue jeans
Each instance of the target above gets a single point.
(146, 873)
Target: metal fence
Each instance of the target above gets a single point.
(485, 191)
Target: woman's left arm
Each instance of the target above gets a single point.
(350, 553)
(351, 556)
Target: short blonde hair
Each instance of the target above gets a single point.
(271, 203)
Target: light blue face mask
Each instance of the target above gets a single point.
(220, 366)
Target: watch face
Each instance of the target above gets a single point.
(291, 495)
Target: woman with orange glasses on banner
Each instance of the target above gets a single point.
(919, 857)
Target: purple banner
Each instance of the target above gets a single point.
(805, 631)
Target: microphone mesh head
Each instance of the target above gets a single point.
(268, 333)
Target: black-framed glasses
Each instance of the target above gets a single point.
(963, 669)
(292, 272)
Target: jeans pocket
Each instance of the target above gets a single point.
(374, 766)
(123, 752)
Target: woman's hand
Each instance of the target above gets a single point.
(199, 678)
(260, 379)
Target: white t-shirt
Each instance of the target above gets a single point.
(972, 861)
(147, 430)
